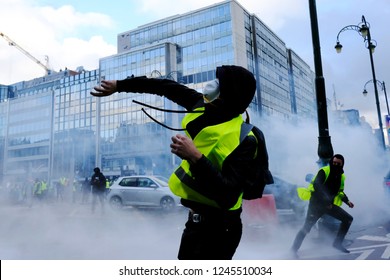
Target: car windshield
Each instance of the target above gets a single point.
(162, 181)
(115, 180)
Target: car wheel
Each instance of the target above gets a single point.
(116, 202)
(167, 203)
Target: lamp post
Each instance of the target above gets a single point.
(383, 87)
(363, 28)
(325, 149)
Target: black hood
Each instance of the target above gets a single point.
(237, 88)
(338, 156)
(336, 170)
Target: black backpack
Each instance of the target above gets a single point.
(254, 186)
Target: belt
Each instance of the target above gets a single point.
(209, 217)
(196, 217)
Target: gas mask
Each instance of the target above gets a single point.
(336, 167)
(211, 91)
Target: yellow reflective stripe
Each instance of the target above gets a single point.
(180, 189)
(185, 178)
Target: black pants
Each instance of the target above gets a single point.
(314, 213)
(98, 195)
(211, 236)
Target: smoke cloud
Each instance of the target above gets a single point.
(66, 230)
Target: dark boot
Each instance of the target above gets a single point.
(339, 246)
(338, 242)
(298, 242)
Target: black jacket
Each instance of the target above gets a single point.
(226, 185)
(98, 182)
(326, 189)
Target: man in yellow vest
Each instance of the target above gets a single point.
(60, 188)
(37, 191)
(326, 194)
(216, 163)
(44, 189)
(108, 185)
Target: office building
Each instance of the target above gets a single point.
(52, 127)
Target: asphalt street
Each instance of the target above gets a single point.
(66, 231)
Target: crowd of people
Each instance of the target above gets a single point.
(38, 191)
(221, 160)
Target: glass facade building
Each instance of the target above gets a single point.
(47, 127)
(74, 128)
(52, 127)
(301, 87)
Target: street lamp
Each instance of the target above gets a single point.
(363, 28)
(325, 149)
(383, 87)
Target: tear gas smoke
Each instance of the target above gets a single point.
(69, 231)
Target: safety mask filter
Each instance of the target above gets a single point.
(211, 91)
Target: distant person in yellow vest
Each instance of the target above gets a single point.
(37, 192)
(60, 187)
(326, 194)
(215, 163)
(44, 190)
(107, 186)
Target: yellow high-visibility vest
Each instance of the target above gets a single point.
(63, 181)
(43, 185)
(305, 193)
(37, 188)
(216, 142)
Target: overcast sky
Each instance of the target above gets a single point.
(77, 33)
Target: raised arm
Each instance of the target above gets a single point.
(178, 93)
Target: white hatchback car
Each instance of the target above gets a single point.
(140, 190)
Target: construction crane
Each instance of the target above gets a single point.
(14, 44)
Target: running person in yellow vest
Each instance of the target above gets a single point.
(215, 163)
(326, 194)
